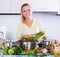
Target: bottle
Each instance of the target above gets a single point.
(3, 43)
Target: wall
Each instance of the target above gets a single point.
(51, 23)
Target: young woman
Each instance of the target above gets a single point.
(28, 26)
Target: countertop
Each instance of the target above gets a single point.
(23, 56)
(1, 55)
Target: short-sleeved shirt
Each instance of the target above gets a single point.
(23, 29)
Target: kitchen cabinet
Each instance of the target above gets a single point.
(14, 6)
(5, 6)
(59, 7)
(45, 5)
(37, 6)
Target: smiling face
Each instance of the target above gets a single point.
(26, 11)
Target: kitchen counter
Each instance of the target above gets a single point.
(23, 56)
(1, 55)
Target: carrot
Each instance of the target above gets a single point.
(26, 50)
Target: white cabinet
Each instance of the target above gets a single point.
(59, 7)
(14, 6)
(45, 5)
(5, 6)
(37, 5)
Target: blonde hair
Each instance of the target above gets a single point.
(23, 18)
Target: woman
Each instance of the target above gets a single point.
(28, 27)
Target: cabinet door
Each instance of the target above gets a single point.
(45, 5)
(52, 5)
(59, 7)
(16, 5)
(5, 6)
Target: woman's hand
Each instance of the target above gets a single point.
(28, 36)
(44, 37)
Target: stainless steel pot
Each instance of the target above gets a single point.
(27, 44)
(44, 43)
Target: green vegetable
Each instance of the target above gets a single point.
(32, 38)
(5, 50)
(31, 52)
(15, 50)
(11, 51)
(44, 54)
(39, 34)
(18, 50)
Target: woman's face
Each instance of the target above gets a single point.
(26, 12)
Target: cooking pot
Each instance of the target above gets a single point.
(27, 44)
(44, 43)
